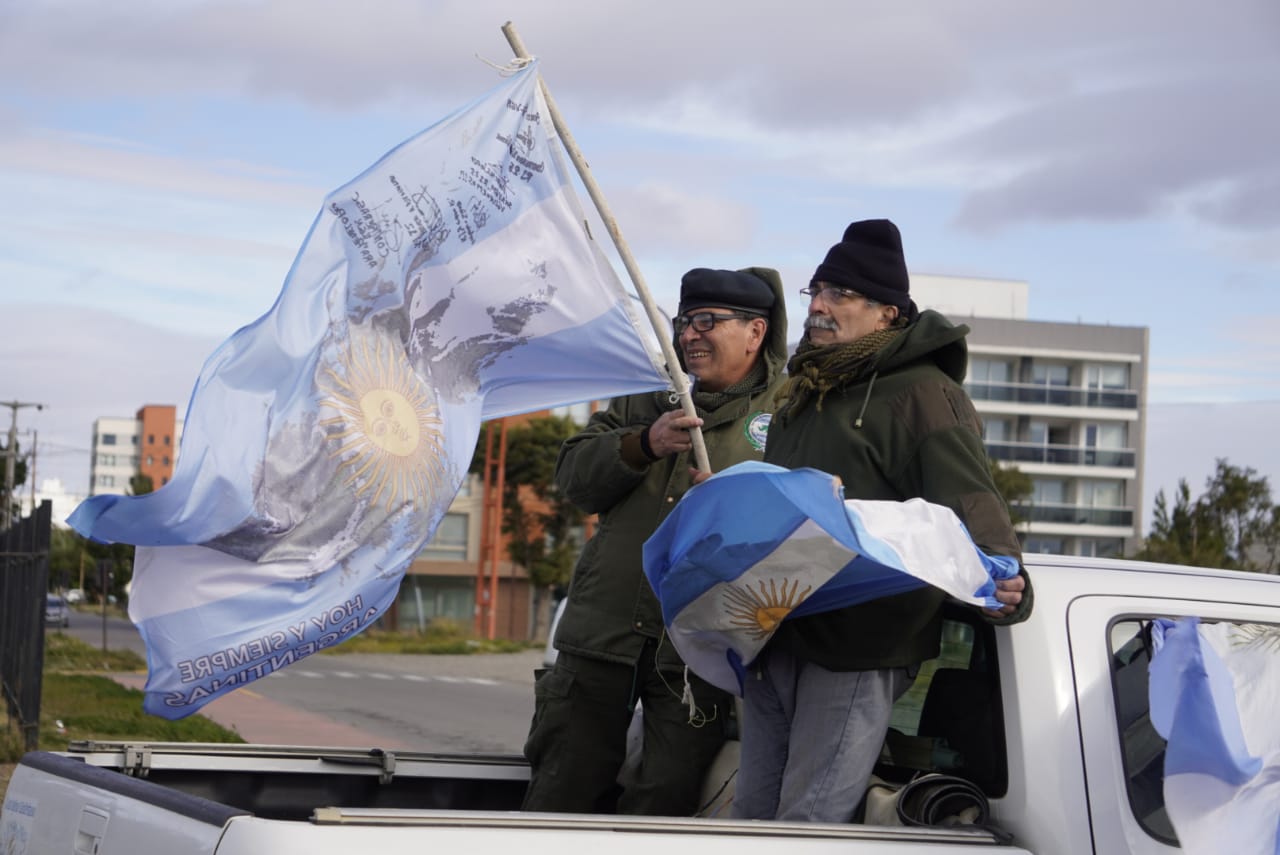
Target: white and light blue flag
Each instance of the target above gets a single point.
(757, 544)
(452, 282)
(1214, 695)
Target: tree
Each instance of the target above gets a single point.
(1014, 485)
(539, 523)
(141, 484)
(66, 551)
(1234, 524)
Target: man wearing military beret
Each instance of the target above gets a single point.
(630, 465)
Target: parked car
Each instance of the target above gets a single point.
(56, 612)
(75, 595)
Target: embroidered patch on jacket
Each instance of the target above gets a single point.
(757, 430)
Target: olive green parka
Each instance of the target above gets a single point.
(612, 611)
(899, 427)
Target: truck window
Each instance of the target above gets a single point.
(1141, 748)
(950, 721)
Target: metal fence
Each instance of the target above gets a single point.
(24, 583)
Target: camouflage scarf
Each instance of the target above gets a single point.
(814, 369)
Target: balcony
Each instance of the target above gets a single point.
(1063, 455)
(1057, 396)
(1047, 512)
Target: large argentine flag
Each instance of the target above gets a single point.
(1214, 693)
(756, 544)
(452, 282)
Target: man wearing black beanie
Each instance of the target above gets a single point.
(874, 396)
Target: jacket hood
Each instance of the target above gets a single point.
(775, 343)
(931, 337)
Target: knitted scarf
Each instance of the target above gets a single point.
(819, 369)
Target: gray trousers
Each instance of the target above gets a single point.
(810, 737)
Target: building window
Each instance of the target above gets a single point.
(1052, 380)
(1048, 491)
(1050, 374)
(1105, 444)
(989, 371)
(996, 430)
(1043, 545)
(1107, 377)
(1102, 547)
(106, 480)
(151, 439)
(150, 460)
(108, 439)
(106, 460)
(1102, 494)
(449, 543)
(164, 481)
(989, 380)
(165, 460)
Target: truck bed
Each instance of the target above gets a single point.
(118, 797)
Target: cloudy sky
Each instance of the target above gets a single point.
(160, 164)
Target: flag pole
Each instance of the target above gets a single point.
(679, 379)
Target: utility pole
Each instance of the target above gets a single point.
(11, 459)
(31, 470)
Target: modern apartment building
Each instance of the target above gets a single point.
(146, 444)
(1063, 402)
(442, 582)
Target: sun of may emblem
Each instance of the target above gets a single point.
(760, 611)
(389, 437)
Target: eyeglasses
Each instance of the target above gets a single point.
(706, 321)
(833, 294)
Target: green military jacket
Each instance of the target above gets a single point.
(612, 611)
(899, 427)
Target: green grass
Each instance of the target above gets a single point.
(90, 705)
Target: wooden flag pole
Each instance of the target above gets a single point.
(660, 323)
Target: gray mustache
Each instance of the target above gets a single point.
(819, 322)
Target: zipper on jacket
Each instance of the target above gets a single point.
(857, 423)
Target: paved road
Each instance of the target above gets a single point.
(120, 632)
(481, 702)
(475, 703)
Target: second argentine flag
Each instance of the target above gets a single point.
(757, 544)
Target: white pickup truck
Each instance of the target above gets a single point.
(1048, 716)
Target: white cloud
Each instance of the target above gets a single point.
(83, 364)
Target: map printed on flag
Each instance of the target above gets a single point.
(451, 282)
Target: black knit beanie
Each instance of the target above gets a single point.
(869, 260)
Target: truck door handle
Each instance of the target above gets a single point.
(90, 831)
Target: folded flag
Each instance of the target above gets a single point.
(1214, 692)
(757, 544)
(451, 282)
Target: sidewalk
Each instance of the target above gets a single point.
(261, 720)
